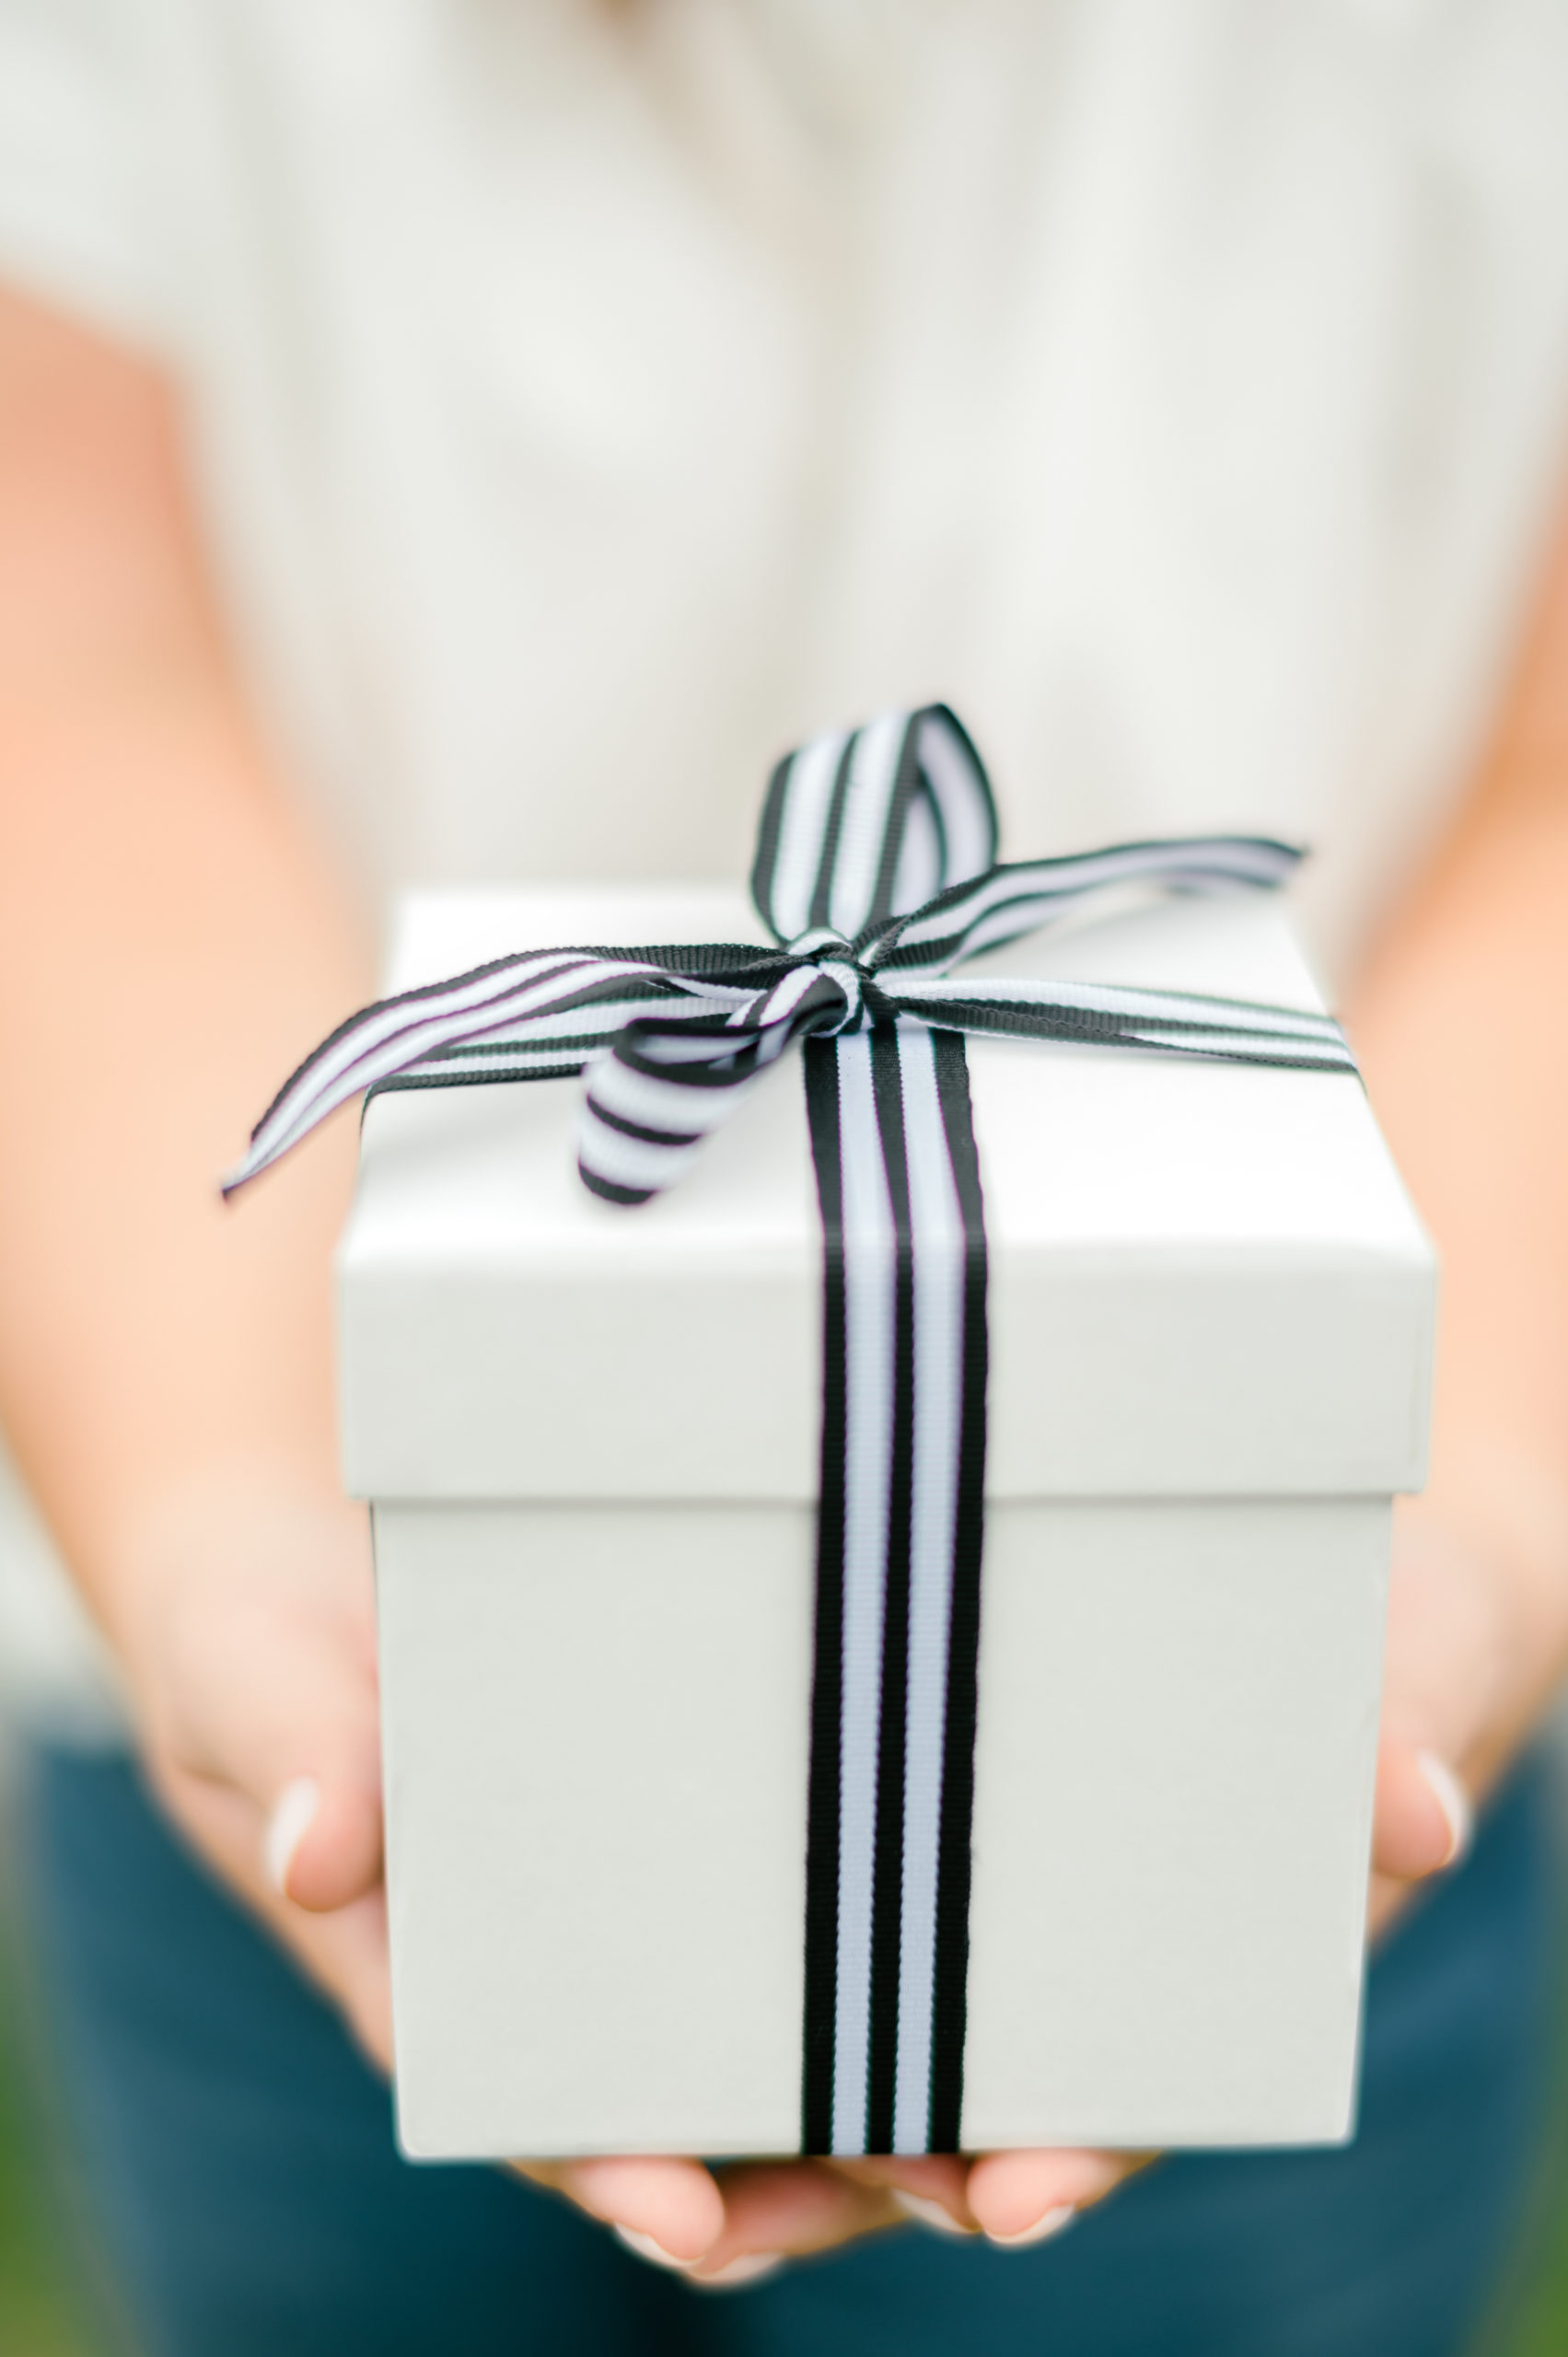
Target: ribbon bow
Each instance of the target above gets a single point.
(875, 873)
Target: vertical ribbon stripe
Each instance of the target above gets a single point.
(898, 1603)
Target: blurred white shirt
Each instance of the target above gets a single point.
(592, 397)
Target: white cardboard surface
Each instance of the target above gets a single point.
(596, 1725)
(1206, 1279)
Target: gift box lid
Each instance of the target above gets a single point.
(1206, 1279)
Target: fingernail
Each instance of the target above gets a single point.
(293, 1813)
(1055, 2221)
(930, 2213)
(1454, 1801)
(655, 2253)
(749, 2267)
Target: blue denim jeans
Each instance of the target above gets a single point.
(241, 2162)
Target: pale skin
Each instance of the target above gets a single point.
(172, 938)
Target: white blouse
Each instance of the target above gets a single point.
(592, 397)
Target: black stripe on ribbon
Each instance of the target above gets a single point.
(950, 2004)
(821, 1065)
(900, 1532)
(819, 909)
(892, 1741)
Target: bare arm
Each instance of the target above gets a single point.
(168, 935)
(1460, 1020)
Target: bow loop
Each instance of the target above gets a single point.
(863, 824)
(877, 872)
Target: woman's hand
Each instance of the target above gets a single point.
(1455, 1670)
(250, 1668)
(726, 2226)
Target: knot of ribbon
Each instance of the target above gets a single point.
(828, 957)
(875, 873)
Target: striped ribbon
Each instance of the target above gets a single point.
(875, 873)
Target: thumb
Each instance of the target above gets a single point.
(1422, 1819)
(267, 1687)
(322, 1842)
(307, 1752)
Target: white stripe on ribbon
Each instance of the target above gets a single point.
(874, 768)
(1034, 889)
(918, 876)
(653, 1102)
(1185, 1009)
(643, 1164)
(936, 1226)
(969, 826)
(813, 773)
(869, 1264)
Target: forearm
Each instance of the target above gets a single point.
(170, 942)
(1458, 1020)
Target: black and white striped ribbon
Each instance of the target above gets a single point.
(877, 872)
(672, 1037)
(900, 1528)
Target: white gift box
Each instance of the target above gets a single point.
(590, 1435)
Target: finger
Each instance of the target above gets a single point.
(673, 2206)
(311, 1765)
(787, 2210)
(1422, 1820)
(1018, 2199)
(323, 1840)
(274, 1695)
(929, 2188)
(769, 2213)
